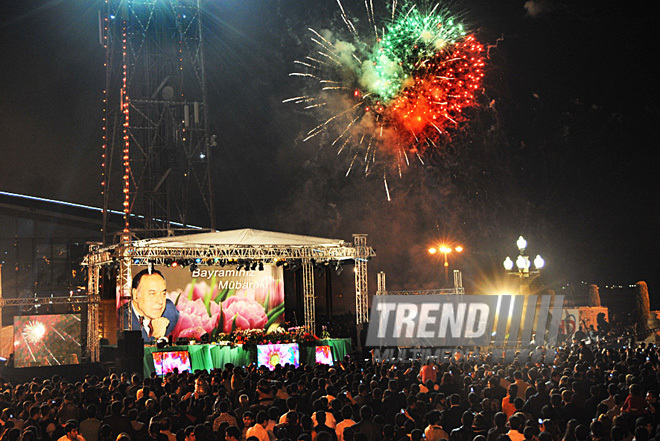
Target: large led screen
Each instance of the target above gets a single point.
(209, 300)
(47, 340)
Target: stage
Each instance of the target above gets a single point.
(213, 356)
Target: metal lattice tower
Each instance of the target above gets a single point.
(361, 293)
(156, 145)
(309, 298)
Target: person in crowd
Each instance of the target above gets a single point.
(71, 432)
(434, 431)
(258, 430)
(347, 421)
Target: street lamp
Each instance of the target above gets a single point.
(446, 250)
(523, 265)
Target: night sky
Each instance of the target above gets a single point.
(562, 148)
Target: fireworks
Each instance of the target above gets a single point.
(34, 331)
(396, 91)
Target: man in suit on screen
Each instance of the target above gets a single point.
(149, 309)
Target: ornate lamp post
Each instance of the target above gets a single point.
(523, 269)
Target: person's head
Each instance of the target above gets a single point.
(500, 420)
(347, 412)
(233, 433)
(262, 418)
(582, 432)
(513, 390)
(467, 418)
(597, 430)
(149, 290)
(514, 422)
(71, 429)
(189, 433)
(248, 419)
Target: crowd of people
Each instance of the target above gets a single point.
(588, 392)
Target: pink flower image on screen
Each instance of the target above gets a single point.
(245, 313)
(278, 354)
(194, 319)
(200, 290)
(273, 291)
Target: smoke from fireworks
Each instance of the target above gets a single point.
(398, 90)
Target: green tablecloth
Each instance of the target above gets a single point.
(340, 347)
(211, 356)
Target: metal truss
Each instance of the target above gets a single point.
(457, 289)
(447, 291)
(93, 325)
(309, 299)
(361, 293)
(142, 253)
(124, 282)
(381, 284)
(43, 301)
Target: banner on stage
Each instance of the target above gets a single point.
(212, 300)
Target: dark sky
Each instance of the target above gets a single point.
(562, 149)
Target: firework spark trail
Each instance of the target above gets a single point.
(331, 58)
(66, 335)
(27, 345)
(299, 99)
(335, 117)
(325, 40)
(305, 64)
(302, 74)
(52, 356)
(387, 189)
(320, 62)
(369, 6)
(347, 21)
(348, 127)
(341, 149)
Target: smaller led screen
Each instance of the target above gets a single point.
(324, 355)
(166, 362)
(278, 354)
(47, 340)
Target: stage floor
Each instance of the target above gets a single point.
(212, 356)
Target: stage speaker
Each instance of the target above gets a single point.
(130, 352)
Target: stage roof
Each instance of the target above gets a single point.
(243, 238)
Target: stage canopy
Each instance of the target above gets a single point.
(244, 237)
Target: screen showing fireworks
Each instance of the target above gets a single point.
(278, 354)
(47, 340)
(166, 362)
(324, 355)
